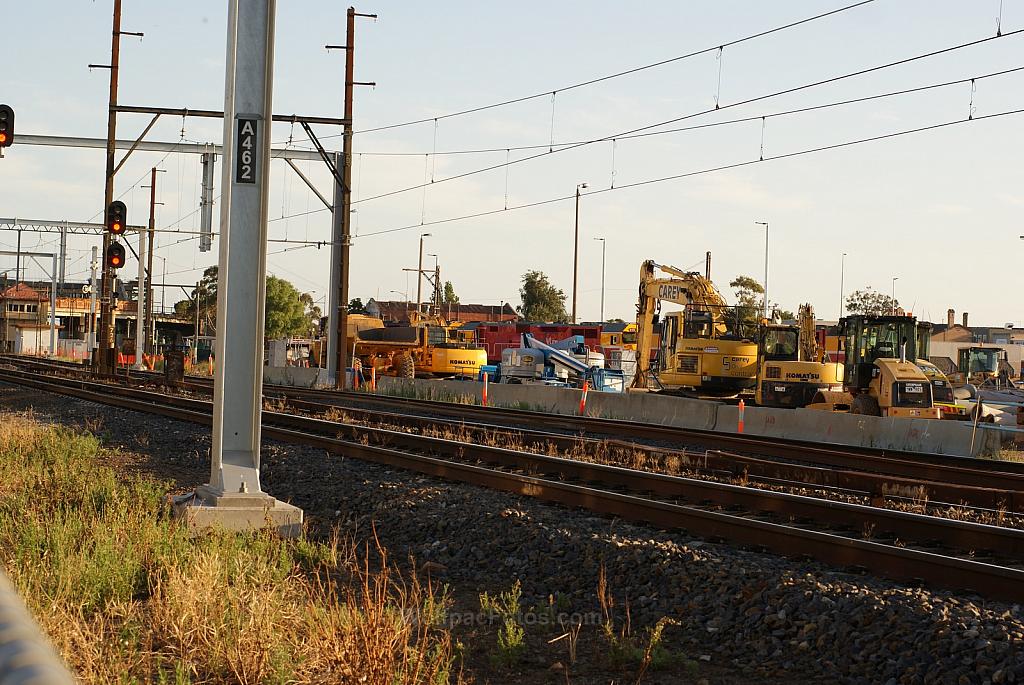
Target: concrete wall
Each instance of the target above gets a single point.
(915, 435)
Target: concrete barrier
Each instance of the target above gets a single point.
(913, 435)
(295, 376)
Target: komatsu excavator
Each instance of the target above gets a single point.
(792, 367)
(708, 347)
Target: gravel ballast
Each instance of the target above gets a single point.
(744, 615)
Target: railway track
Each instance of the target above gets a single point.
(886, 474)
(905, 546)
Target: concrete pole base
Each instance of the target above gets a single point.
(207, 508)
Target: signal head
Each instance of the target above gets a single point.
(6, 126)
(116, 217)
(115, 256)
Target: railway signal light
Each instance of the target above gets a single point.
(117, 217)
(6, 126)
(115, 256)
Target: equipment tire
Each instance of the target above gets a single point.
(405, 365)
(866, 405)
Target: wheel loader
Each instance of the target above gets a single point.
(880, 377)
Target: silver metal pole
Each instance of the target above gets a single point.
(334, 287)
(765, 224)
(140, 302)
(241, 293)
(842, 274)
(92, 299)
(53, 308)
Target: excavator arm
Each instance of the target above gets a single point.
(685, 288)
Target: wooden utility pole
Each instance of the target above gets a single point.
(344, 211)
(103, 357)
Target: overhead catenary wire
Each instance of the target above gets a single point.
(648, 127)
(645, 130)
(552, 92)
(712, 124)
(699, 172)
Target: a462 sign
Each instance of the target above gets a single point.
(245, 153)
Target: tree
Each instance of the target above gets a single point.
(449, 294)
(356, 306)
(206, 292)
(871, 303)
(286, 313)
(542, 301)
(749, 296)
(313, 314)
(784, 315)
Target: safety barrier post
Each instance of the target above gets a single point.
(977, 417)
(373, 379)
(355, 378)
(739, 423)
(583, 397)
(486, 376)
(209, 366)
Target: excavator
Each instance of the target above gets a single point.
(792, 366)
(708, 347)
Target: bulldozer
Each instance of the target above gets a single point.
(429, 347)
(881, 377)
(707, 348)
(792, 367)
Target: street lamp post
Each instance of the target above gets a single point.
(894, 279)
(576, 251)
(842, 273)
(419, 277)
(604, 244)
(765, 224)
(405, 295)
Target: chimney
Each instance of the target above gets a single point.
(950, 317)
(965, 319)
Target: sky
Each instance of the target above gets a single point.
(939, 210)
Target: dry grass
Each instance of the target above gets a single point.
(127, 597)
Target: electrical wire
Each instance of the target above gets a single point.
(713, 124)
(621, 134)
(608, 77)
(700, 172)
(717, 108)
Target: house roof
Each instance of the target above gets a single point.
(391, 310)
(20, 291)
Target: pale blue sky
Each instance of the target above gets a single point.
(940, 210)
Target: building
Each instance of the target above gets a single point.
(397, 313)
(24, 310)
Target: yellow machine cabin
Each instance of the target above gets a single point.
(707, 347)
(791, 366)
(881, 377)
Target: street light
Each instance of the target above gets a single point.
(604, 245)
(842, 273)
(419, 276)
(576, 251)
(405, 295)
(894, 279)
(765, 224)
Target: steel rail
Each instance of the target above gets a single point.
(952, 480)
(898, 562)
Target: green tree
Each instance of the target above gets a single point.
(356, 306)
(286, 312)
(449, 294)
(542, 301)
(313, 314)
(871, 303)
(749, 296)
(206, 293)
(784, 315)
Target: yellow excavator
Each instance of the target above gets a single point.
(792, 367)
(881, 377)
(708, 347)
